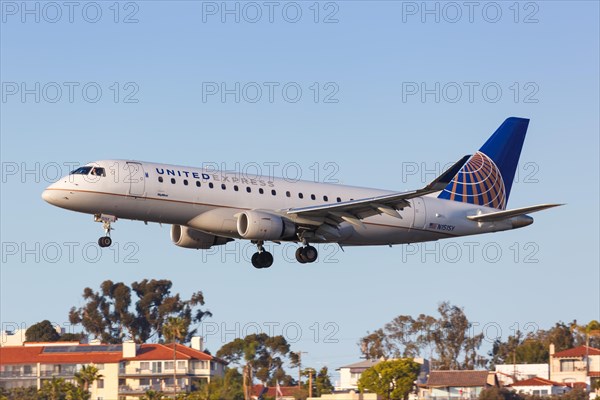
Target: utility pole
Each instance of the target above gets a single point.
(310, 385)
(300, 367)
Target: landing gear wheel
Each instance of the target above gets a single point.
(310, 254)
(307, 254)
(300, 255)
(261, 260)
(105, 241)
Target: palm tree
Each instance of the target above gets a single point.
(53, 389)
(175, 329)
(86, 376)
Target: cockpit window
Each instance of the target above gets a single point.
(97, 171)
(81, 171)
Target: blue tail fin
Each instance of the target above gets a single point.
(487, 177)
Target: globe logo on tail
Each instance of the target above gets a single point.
(478, 182)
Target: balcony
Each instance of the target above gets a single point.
(17, 374)
(134, 372)
(141, 389)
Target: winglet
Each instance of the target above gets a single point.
(444, 179)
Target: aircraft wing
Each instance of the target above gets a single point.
(505, 214)
(355, 210)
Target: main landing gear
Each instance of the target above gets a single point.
(105, 241)
(306, 254)
(262, 258)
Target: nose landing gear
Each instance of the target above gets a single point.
(105, 241)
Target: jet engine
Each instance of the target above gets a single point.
(261, 225)
(190, 238)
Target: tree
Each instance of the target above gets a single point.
(152, 395)
(59, 389)
(494, 393)
(229, 387)
(323, 383)
(43, 331)
(174, 330)
(261, 356)
(111, 315)
(87, 375)
(393, 379)
(448, 339)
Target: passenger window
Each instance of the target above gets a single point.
(325, 198)
(210, 185)
(223, 186)
(300, 195)
(312, 196)
(288, 194)
(261, 191)
(185, 182)
(248, 189)
(273, 192)
(198, 183)
(160, 179)
(173, 180)
(339, 200)
(236, 188)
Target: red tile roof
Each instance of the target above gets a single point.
(457, 379)
(34, 354)
(580, 351)
(271, 391)
(594, 374)
(537, 381)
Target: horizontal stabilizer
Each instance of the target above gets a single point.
(505, 214)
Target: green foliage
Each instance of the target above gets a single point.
(494, 393)
(533, 348)
(152, 395)
(59, 389)
(393, 380)
(229, 387)
(265, 354)
(322, 383)
(25, 393)
(43, 331)
(87, 375)
(447, 338)
(108, 314)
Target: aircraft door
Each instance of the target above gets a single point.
(136, 180)
(420, 213)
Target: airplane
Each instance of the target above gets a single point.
(207, 208)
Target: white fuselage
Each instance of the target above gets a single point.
(133, 190)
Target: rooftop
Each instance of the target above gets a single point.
(458, 378)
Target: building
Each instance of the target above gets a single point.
(579, 365)
(537, 386)
(457, 385)
(350, 374)
(510, 373)
(128, 370)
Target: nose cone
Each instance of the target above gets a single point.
(47, 195)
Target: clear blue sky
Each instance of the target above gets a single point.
(371, 62)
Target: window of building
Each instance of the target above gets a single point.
(168, 365)
(261, 191)
(100, 383)
(145, 365)
(236, 188)
(312, 196)
(180, 364)
(210, 185)
(198, 183)
(160, 179)
(144, 381)
(100, 366)
(325, 198)
(567, 365)
(185, 182)
(288, 194)
(173, 180)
